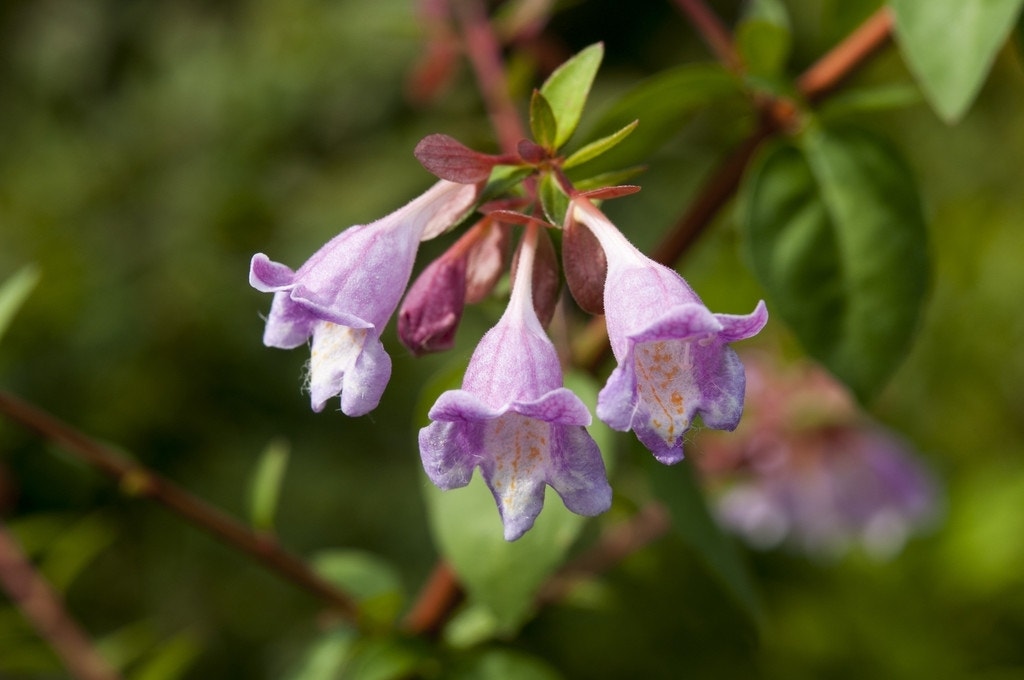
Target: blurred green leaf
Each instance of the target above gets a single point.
(383, 659)
(13, 293)
(171, 660)
(950, 45)
(503, 664)
(763, 38)
(73, 549)
(128, 644)
(598, 147)
(678, 488)
(325, 659)
(837, 237)
(373, 581)
(662, 104)
(855, 101)
(567, 88)
(470, 626)
(265, 488)
(497, 574)
(23, 651)
(542, 121)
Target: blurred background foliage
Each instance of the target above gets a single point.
(149, 147)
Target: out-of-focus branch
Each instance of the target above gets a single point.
(42, 607)
(843, 59)
(439, 596)
(484, 53)
(137, 480)
(712, 31)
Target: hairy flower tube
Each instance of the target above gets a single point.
(345, 293)
(515, 420)
(672, 353)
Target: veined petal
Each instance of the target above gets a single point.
(515, 468)
(288, 324)
(722, 392)
(742, 326)
(268, 276)
(350, 362)
(447, 450)
(577, 472)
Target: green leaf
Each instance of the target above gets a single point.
(763, 38)
(265, 488)
(75, 548)
(503, 664)
(950, 45)
(869, 100)
(662, 104)
(838, 239)
(373, 581)
(13, 293)
(499, 576)
(567, 89)
(598, 147)
(171, 660)
(382, 659)
(542, 121)
(327, 656)
(552, 199)
(678, 488)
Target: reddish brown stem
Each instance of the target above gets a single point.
(138, 480)
(439, 595)
(484, 53)
(42, 607)
(712, 31)
(826, 73)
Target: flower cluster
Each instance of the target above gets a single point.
(512, 418)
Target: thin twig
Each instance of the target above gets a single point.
(43, 609)
(439, 595)
(712, 31)
(484, 53)
(826, 73)
(137, 480)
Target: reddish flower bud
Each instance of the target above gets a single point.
(432, 308)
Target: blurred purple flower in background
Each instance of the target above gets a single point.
(806, 469)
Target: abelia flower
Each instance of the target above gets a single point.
(345, 293)
(672, 353)
(515, 420)
(806, 470)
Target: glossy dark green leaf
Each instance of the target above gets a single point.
(950, 45)
(838, 239)
(678, 488)
(542, 121)
(553, 200)
(567, 88)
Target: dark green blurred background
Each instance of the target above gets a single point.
(148, 148)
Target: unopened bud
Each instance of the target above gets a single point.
(432, 309)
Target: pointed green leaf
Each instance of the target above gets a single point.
(542, 121)
(171, 660)
(838, 239)
(500, 576)
(763, 38)
(868, 100)
(598, 147)
(265, 488)
(327, 656)
(950, 45)
(568, 87)
(13, 292)
(678, 488)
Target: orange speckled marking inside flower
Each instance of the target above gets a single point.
(519, 446)
(665, 385)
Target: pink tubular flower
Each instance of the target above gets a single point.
(345, 293)
(672, 353)
(515, 420)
